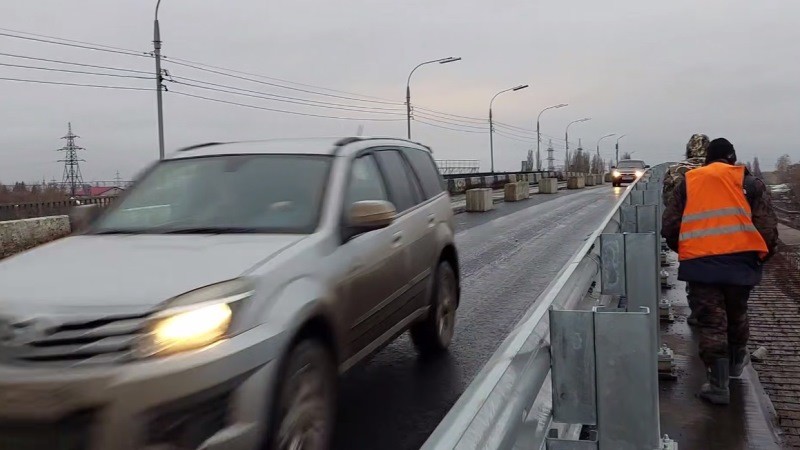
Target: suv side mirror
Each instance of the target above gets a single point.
(647, 167)
(82, 216)
(368, 215)
(613, 167)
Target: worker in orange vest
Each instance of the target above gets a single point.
(722, 225)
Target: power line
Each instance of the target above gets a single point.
(282, 80)
(453, 116)
(253, 80)
(507, 136)
(83, 72)
(61, 83)
(285, 111)
(434, 119)
(68, 44)
(286, 99)
(56, 61)
(448, 128)
(70, 40)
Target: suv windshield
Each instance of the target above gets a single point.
(224, 194)
(631, 164)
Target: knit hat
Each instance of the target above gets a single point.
(720, 148)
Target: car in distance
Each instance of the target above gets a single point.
(627, 171)
(214, 304)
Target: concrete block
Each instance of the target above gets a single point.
(479, 200)
(590, 180)
(20, 235)
(512, 178)
(537, 177)
(577, 182)
(515, 192)
(607, 178)
(548, 186)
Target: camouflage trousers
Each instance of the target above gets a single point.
(721, 312)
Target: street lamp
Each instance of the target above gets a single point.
(408, 85)
(598, 142)
(617, 147)
(491, 124)
(566, 139)
(539, 136)
(159, 80)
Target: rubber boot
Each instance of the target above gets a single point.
(717, 390)
(739, 358)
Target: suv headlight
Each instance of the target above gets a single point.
(196, 319)
(639, 173)
(615, 174)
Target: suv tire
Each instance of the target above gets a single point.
(305, 399)
(434, 334)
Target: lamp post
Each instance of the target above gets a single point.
(159, 80)
(539, 136)
(408, 85)
(598, 143)
(617, 147)
(491, 124)
(566, 139)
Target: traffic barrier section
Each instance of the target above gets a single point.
(514, 192)
(548, 186)
(479, 200)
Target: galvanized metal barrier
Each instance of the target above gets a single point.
(580, 370)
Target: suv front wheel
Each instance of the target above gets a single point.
(305, 399)
(434, 334)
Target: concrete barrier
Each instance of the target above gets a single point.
(590, 180)
(576, 182)
(479, 200)
(515, 192)
(20, 235)
(548, 186)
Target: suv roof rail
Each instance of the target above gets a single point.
(348, 140)
(195, 147)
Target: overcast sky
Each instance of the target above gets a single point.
(656, 71)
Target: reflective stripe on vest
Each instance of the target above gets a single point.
(717, 217)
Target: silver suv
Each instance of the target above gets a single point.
(213, 305)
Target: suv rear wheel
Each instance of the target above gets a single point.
(305, 399)
(435, 333)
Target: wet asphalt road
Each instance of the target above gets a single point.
(508, 256)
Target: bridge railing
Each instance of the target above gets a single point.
(553, 382)
(17, 211)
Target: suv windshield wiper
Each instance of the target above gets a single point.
(213, 230)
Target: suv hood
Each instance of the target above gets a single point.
(134, 273)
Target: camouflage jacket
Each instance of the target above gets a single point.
(675, 173)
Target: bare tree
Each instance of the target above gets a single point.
(757, 168)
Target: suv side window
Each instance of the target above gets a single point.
(365, 182)
(404, 189)
(423, 165)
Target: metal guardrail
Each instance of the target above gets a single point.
(510, 403)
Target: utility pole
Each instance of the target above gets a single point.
(72, 169)
(550, 159)
(159, 82)
(617, 147)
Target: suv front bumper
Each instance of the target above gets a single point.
(213, 398)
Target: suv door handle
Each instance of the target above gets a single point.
(431, 220)
(397, 238)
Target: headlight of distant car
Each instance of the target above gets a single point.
(615, 174)
(639, 173)
(196, 319)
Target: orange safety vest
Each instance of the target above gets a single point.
(717, 217)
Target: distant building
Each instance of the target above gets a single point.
(100, 191)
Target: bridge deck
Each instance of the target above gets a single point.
(750, 422)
